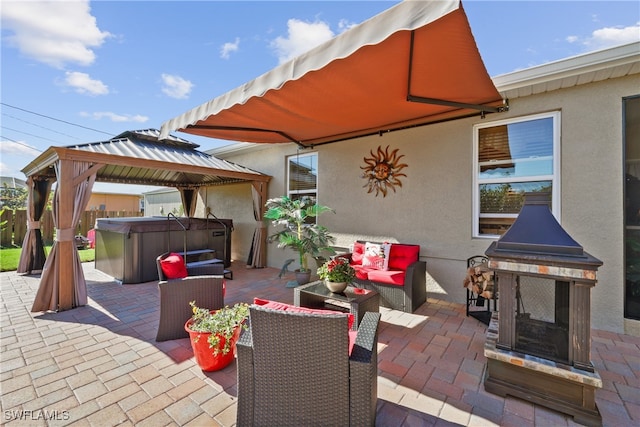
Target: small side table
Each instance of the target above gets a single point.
(353, 300)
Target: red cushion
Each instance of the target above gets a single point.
(402, 256)
(362, 272)
(390, 277)
(173, 266)
(352, 340)
(358, 253)
(276, 305)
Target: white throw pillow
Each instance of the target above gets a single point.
(376, 255)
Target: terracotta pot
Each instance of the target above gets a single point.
(336, 287)
(204, 354)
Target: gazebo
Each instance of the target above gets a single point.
(133, 157)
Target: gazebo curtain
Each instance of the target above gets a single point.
(189, 198)
(32, 257)
(257, 252)
(79, 176)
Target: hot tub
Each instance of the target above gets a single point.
(127, 248)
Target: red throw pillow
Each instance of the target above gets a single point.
(358, 253)
(276, 305)
(173, 266)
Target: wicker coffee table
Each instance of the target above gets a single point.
(353, 300)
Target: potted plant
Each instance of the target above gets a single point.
(337, 274)
(299, 233)
(213, 334)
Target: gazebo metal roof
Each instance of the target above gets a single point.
(139, 157)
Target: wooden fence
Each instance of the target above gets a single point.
(13, 233)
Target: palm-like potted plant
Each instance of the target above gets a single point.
(306, 238)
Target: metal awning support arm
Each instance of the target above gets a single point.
(245, 129)
(435, 101)
(484, 108)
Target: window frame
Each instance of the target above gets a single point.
(554, 177)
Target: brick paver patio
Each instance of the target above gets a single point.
(99, 365)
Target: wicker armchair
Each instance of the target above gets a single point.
(294, 370)
(204, 285)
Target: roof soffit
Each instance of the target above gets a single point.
(587, 68)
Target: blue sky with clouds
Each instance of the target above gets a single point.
(80, 71)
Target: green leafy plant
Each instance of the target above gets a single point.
(337, 270)
(219, 323)
(306, 238)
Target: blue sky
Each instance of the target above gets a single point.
(80, 71)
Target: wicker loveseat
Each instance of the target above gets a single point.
(403, 285)
(294, 369)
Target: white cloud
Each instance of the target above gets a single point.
(118, 118)
(302, 36)
(10, 170)
(17, 148)
(613, 36)
(53, 32)
(229, 47)
(82, 83)
(608, 37)
(15, 155)
(176, 86)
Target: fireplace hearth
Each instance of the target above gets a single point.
(539, 342)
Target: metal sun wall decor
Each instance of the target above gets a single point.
(382, 171)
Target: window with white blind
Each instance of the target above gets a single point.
(513, 157)
(302, 175)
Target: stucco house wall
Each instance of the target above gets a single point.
(232, 202)
(433, 207)
(162, 202)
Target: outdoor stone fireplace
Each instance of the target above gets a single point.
(539, 342)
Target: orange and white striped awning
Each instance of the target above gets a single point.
(414, 64)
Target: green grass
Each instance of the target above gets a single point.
(9, 257)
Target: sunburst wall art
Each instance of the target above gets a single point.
(382, 171)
